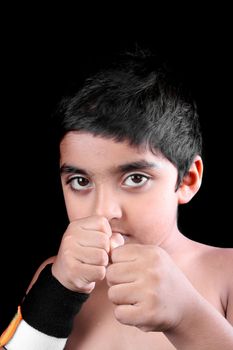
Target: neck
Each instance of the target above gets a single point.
(175, 244)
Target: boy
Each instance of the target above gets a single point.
(130, 154)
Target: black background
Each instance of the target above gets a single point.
(42, 54)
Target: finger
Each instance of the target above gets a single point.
(92, 256)
(127, 314)
(94, 239)
(121, 273)
(91, 273)
(116, 240)
(98, 223)
(123, 294)
(128, 252)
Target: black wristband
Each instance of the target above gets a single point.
(49, 307)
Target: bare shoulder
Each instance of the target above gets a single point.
(221, 259)
(217, 261)
(217, 264)
(38, 271)
(209, 257)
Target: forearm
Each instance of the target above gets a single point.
(203, 329)
(27, 337)
(47, 316)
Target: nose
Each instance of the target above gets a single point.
(107, 203)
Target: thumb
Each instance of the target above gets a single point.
(116, 240)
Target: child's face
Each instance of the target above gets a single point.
(134, 189)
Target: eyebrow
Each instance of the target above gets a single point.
(70, 169)
(138, 165)
(124, 168)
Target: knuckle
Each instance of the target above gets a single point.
(102, 258)
(67, 240)
(103, 223)
(115, 254)
(104, 242)
(100, 273)
(109, 274)
(120, 315)
(111, 294)
(84, 287)
(114, 295)
(71, 226)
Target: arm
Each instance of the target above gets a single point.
(203, 327)
(150, 292)
(20, 334)
(229, 297)
(47, 314)
(57, 291)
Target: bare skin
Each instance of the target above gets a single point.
(150, 287)
(96, 325)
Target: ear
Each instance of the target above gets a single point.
(191, 181)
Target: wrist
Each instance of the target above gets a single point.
(50, 307)
(80, 286)
(45, 316)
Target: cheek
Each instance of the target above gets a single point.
(153, 219)
(75, 210)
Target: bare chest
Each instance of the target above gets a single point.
(95, 327)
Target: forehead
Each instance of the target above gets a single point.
(89, 151)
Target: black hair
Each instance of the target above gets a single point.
(139, 98)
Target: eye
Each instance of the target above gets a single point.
(79, 183)
(136, 180)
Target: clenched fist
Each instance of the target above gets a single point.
(149, 291)
(84, 253)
